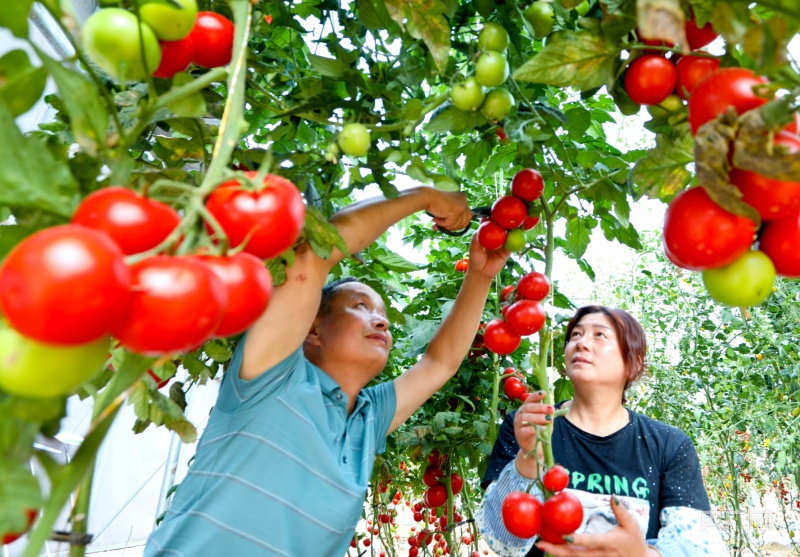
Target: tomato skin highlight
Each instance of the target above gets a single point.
(522, 514)
(527, 184)
(556, 479)
(525, 317)
(699, 234)
(533, 286)
(212, 37)
(563, 513)
(270, 219)
(726, 87)
(249, 288)
(177, 304)
(650, 79)
(66, 284)
(499, 337)
(135, 223)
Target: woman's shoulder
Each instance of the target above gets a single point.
(666, 433)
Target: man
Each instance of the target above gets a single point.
(283, 466)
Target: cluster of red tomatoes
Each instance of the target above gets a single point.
(652, 77)
(520, 318)
(164, 39)
(699, 235)
(560, 515)
(491, 70)
(66, 289)
(436, 494)
(511, 213)
(513, 387)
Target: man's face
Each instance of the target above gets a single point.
(355, 330)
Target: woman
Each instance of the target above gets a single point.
(639, 480)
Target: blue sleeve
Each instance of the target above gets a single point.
(238, 394)
(384, 404)
(489, 516)
(688, 532)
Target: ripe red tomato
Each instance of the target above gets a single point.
(435, 496)
(780, 240)
(563, 512)
(175, 57)
(456, 484)
(773, 199)
(506, 292)
(509, 211)
(691, 70)
(9, 537)
(530, 222)
(525, 317)
(699, 234)
(491, 236)
(522, 514)
(433, 475)
(533, 286)
(435, 457)
(549, 535)
(727, 87)
(499, 337)
(134, 222)
(527, 184)
(462, 265)
(64, 285)
(698, 37)
(514, 389)
(212, 37)
(176, 305)
(249, 288)
(272, 217)
(650, 79)
(556, 479)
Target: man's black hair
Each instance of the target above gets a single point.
(329, 294)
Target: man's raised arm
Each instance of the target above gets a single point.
(291, 312)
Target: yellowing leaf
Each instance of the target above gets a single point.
(425, 20)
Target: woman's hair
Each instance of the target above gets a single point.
(630, 336)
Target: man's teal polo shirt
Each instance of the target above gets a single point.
(281, 468)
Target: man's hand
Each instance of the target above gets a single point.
(626, 540)
(450, 210)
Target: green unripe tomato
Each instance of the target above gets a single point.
(491, 69)
(354, 140)
(467, 95)
(583, 8)
(111, 37)
(541, 16)
(515, 240)
(745, 282)
(670, 105)
(493, 36)
(34, 369)
(169, 23)
(498, 104)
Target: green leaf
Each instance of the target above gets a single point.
(395, 263)
(14, 16)
(373, 15)
(425, 20)
(21, 85)
(455, 121)
(581, 60)
(578, 235)
(31, 177)
(663, 172)
(10, 236)
(329, 67)
(19, 491)
(217, 351)
(322, 235)
(88, 115)
(187, 106)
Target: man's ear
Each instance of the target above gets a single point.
(312, 338)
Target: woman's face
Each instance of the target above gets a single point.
(592, 354)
